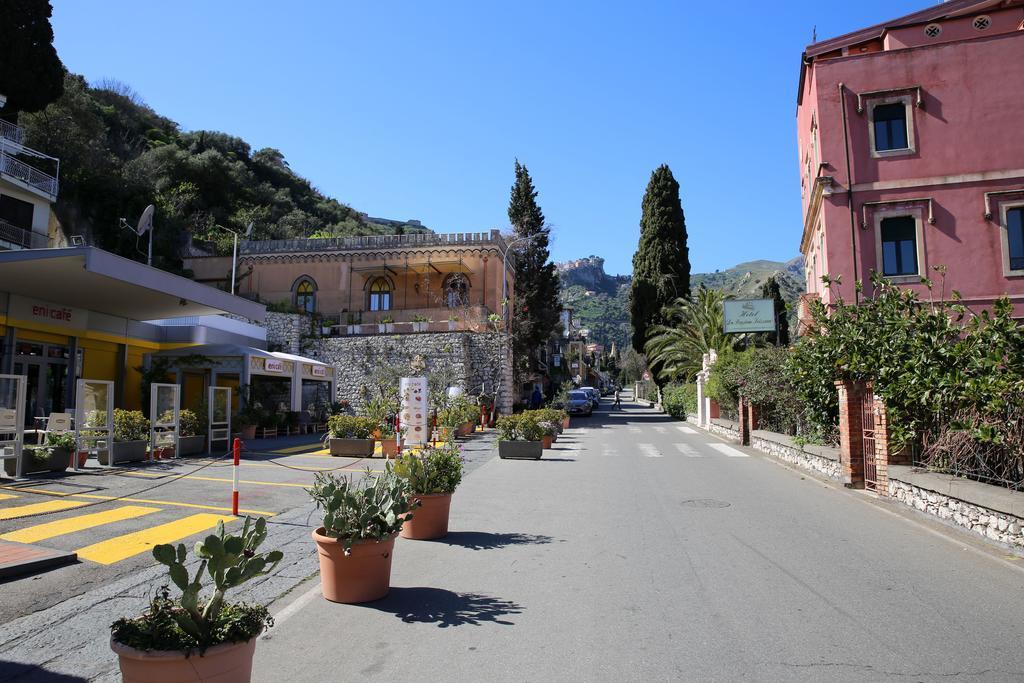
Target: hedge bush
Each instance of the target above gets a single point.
(680, 400)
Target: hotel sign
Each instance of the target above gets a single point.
(36, 310)
(749, 315)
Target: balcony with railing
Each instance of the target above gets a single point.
(14, 237)
(369, 242)
(11, 147)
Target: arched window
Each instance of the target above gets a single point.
(456, 291)
(305, 295)
(380, 295)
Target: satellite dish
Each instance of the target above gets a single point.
(145, 220)
(248, 230)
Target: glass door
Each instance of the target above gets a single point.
(46, 367)
(32, 404)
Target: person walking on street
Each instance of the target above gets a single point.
(618, 398)
(536, 399)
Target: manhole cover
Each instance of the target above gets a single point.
(704, 503)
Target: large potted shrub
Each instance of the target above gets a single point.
(54, 456)
(392, 441)
(191, 433)
(357, 539)
(194, 637)
(350, 435)
(520, 437)
(131, 438)
(432, 475)
(245, 422)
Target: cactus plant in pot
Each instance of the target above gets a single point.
(196, 638)
(432, 475)
(357, 538)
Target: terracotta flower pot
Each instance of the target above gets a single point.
(361, 576)
(248, 432)
(389, 448)
(430, 519)
(565, 423)
(229, 662)
(547, 440)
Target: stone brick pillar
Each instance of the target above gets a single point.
(713, 412)
(851, 433)
(753, 417)
(883, 451)
(744, 422)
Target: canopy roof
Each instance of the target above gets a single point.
(96, 280)
(233, 350)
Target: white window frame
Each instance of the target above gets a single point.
(908, 105)
(1004, 236)
(917, 213)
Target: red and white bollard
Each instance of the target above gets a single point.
(237, 448)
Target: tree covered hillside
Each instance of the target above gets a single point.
(117, 155)
(601, 301)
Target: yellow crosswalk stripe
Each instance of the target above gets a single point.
(6, 496)
(41, 532)
(96, 496)
(34, 508)
(296, 449)
(129, 545)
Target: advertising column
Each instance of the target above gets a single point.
(414, 415)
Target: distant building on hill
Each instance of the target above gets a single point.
(912, 153)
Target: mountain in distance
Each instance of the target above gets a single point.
(601, 302)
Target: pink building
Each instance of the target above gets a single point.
(911, 139)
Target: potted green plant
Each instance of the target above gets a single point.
(453, 321)
(520, 437)
(432, 475)
(550, 433)
(350, 435)
(53, 456)
(392, 440)
(197, 638)
(419, 323)
(131, 438)
(245, 421)
(386, 324)
(191, 433)
(357, 539)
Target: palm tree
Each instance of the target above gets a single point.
(697, 326)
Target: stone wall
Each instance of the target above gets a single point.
(471, 360)
(285, 331)
(995, 525)
(727, 429)
(820, 459)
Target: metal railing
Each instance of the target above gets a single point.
(370, 242)
(20, 237)
(12, 132)
(33, 177)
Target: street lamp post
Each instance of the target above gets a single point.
(234, 256)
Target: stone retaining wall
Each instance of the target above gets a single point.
(820, 459)
(726, 429)
(997, 526)
(285, 331)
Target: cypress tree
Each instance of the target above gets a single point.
(536, 311)
(661, 264)
(31, 73)
(770, 290)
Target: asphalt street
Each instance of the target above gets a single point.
(639, 549)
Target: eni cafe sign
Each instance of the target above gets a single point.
(749, 315)
(45, 312)
(273, 365)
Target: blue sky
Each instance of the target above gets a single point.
(418, 109)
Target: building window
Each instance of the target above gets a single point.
(890, 125)
(456, 291)
(305, 295)
(380, 295)
(899, 246)
(1015, 237)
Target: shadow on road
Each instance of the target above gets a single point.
(483, 540)
(445, 608)
(31, 673)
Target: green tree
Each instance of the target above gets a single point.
(536, 310)
(31, 73)
(770, 290)
(695, 326)
(661, 264)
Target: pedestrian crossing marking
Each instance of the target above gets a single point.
(649, 450)
(36, 508)
(608, 451)
(96, 496)
(660, 429)
(687, 450)
(634, 429)
(728, 450)
(41, 532)
(6, 496)
(686, 430)
(129, 545)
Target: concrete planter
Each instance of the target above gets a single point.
(520, 450)
(359, 448)
(191, 445)
(452, 324)
(385, 328)
(58, 461)
(351, 329)
(125, 451)
(420, 326)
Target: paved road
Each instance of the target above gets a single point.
(642, 550)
